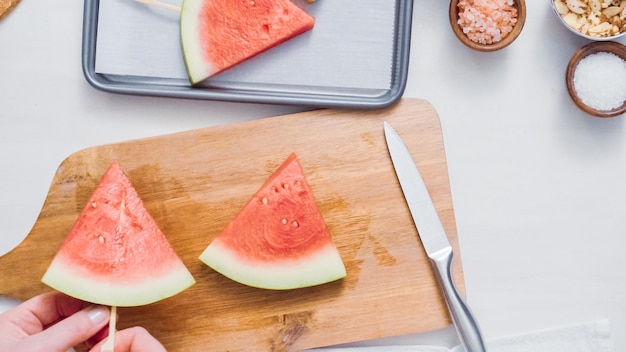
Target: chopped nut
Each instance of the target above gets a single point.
(561, 7)
(598, 18)
(593, 19)
(603, 27)
(611, 11)
(614, 29)
(576, 6)
(595, 5)
(572, 20)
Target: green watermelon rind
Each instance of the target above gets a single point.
(320, 267)
(59, 276)
(92, 263)
(197, 67)
(258, 252)
(195, 33)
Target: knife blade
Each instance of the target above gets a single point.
(434, 239)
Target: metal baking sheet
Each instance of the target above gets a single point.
(358, 59)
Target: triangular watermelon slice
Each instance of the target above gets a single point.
(115, 254)
(219, 34)
(279, 239)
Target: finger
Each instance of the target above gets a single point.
(37, 313)
(73, 330)
(135, 339)
(97, 337)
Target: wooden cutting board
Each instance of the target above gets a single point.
(6, 6)
(194, 182)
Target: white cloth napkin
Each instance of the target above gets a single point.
(586, 337)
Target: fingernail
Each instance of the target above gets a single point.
(98, 314)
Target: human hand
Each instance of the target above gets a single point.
(54, 322)
(135, 339)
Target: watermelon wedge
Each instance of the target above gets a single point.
(115, 254)
(279, 239)
(219, 34)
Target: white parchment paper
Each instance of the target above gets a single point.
(351, 46)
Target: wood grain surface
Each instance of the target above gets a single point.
(194, 182)
(6, 6)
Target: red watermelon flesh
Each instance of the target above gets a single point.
(279, 239)
(219, 34)
(115, 254)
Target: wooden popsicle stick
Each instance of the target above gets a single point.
(160, 4)
(109, 344)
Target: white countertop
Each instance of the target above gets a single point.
(539, 187)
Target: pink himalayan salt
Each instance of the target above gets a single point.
(487, 21)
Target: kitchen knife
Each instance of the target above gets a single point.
(433, 238)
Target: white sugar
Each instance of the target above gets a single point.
(600, 81)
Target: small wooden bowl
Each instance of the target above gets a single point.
(592, 48)
(520, 5)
